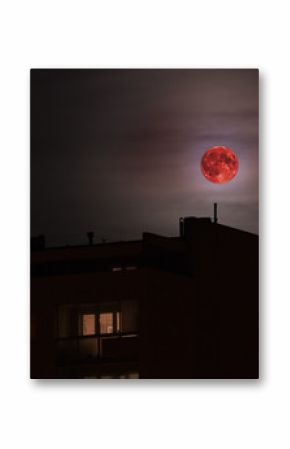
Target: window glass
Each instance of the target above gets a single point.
(106, 323)
(88, 324)
(118, 322)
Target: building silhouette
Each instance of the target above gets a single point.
(172, 308)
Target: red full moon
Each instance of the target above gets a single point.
(219, 164)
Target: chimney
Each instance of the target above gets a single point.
(192, 227)
(197, 237)
(90, 237)
(215, 218)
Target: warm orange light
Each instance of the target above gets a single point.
(88, 324)
(106, 323)
(118, 321)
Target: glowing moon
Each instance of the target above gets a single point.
(219, 164)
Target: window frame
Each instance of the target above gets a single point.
(97, 311)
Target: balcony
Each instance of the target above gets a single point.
(97, 348)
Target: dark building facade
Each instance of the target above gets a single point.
(172, 308)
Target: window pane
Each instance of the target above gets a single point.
(106, 323)
(88, 324)
(118, 322)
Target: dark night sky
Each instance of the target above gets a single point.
(118, 151)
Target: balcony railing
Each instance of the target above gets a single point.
(97, 348)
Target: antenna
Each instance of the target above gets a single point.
(215, 217)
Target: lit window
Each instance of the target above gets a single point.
(117, 269)
(131, 268)
(100, 323)
(118, 322)
(106, 323)
(88, 324)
